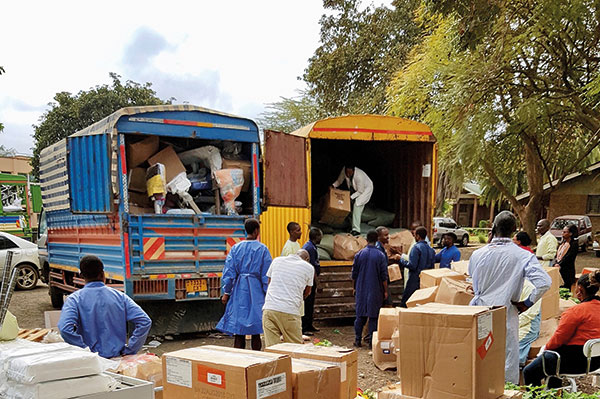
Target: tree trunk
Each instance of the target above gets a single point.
(535, 182)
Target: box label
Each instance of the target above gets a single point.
(179, 372)
(211, 376)
(485, 346)
(270, 386)
(484, 325)
(385, 345)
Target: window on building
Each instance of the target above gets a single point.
(593, 205)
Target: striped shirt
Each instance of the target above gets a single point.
(289, 275)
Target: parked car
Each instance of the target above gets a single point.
(25, 258)
(581, 221)
(596, 244)
(448, 225)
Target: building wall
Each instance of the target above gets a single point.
(571, 198)
(18, 165)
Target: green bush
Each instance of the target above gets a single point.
(539, 393)
(484, 224)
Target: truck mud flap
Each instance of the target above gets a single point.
(170, 317)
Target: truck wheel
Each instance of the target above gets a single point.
(57, 297)
(27, 277)
(464, 241)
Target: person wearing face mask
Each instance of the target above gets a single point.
(577, 325)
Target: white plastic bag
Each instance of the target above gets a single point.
(209, 155)
(60, 389)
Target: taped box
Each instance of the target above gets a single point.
(550, 305)
(462, 267)
(169, 158)
(313, 379)
(336, 206)
(384, 355)
(387, 322)
(450, 351)
(547, 329)
(208, 372)
(394, 273)
(422, 296)
(346, 359)
(433, 277)
(453, 292)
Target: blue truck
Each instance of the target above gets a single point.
(170, 263)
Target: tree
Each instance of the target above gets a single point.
(70, 113)
(511, 90)
(290, 114)
(358, 55)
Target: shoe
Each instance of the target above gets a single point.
(308, 333)
(355, 233)
(357, 344)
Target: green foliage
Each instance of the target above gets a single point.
(360, 51)
(539, 393)
(70, 113)
(566, 293)
(484, 224)
(290, 114)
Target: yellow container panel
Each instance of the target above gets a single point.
(273, 223)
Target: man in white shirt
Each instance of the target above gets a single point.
(361, 187)
(547, 244)
(290, 281)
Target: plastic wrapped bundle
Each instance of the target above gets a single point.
(60, 389)
(230, 182)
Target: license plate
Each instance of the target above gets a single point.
(195, 285)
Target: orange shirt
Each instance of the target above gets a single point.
(577, 325)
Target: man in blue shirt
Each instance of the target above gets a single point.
(421, 257)
(370, 277)
(315, 236)
(449, 253)
(96, 316)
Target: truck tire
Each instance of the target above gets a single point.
(27, 277)
(57, 297)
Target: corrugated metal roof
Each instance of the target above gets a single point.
(367, 127)
(572, 176)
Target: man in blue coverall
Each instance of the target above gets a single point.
(96, 316)
(449, 253)
(421, 258)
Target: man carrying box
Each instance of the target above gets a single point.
(361, 187)
(370, 277)
(499, 270)
(421, 258)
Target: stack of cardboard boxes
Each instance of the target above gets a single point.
(384, 349)
(441, 286)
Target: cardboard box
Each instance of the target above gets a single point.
(336, 206)
(391, 392)
(346, 359)
(396, 344)
(453, 292)
(564, 304)
(433, 277)
(137, 180)
(387, 322)
(462, 267)
(550, 305)
(452, 351)
(245, 166)
(557, 281)
(588, 270)
(140, 210)
(51, 318)
(312, 379)
(139, 152)
(140, 199)
(547, 329)
(384, 355)
(169, 158)
(394, 273)
(215, 372)
(401, 242)
(422, 296)
(510, 394)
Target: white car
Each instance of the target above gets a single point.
(25, 258)
(442, 225)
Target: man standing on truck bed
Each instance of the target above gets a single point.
(244, 285)
(96, 316)
(361, 188)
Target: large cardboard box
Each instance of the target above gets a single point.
(391, 392)
(384, 355)
(550, 305)
(511, 394)
(452, 351)
(169, 158)
(346, 359)
(563, 305)
(394, 272)
(400, 242)
(433, 277)
(453, 292)
(554, 273)
(387, 322)
(245, 166)
(139, 152)
(422, 296)
(137, 180)
(315, 380)
(547, 329)
(336, 206)
(462, 267)
(209, 372)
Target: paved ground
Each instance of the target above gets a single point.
(29, 307)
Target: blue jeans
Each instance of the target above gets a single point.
(359, 325)
(532, 335)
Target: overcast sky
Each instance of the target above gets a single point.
(233, 56)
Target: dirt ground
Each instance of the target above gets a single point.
(29, 308)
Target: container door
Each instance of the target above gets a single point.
(89, 173)
(286, 181)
